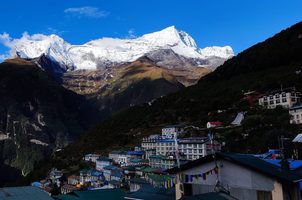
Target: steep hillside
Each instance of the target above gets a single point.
(37, 115)
(262, 67)
(130, 84)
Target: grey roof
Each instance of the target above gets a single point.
(23, 193)
(247, 161)
(298, 138)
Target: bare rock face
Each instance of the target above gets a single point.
(37, 115)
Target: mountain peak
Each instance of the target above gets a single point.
(109, 51)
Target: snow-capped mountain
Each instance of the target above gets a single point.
(108, 51)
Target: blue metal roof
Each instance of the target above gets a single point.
(136, 152)
(293, 164)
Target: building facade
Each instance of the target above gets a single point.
(285, 98)
(295, 114)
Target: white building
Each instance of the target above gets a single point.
(92, 157)
(285, 97)
(103, 162)
(170, 132)
(241, 176)
(197, 147)
(149, 143)
(295, 114)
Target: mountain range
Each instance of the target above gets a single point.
(63, 90)
(219, 96)
(105, 52)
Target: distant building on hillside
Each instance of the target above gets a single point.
(170, 132)
(103, 162)
(214, 124)
(92, 157)
(287, 98)
(295, 115)
(251, 97)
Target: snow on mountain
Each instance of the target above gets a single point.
(98, 52)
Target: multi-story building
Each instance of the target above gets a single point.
(165, 147)
(295, 114)
(164, 162)
(285, 97)
(150, 142)
(123, 157)
(170, 132)
(197, 147)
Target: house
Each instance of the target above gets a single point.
(108, 170)
(172, 131)
(295, 113)
(73, 180)
(23, 193)
(104, 194)
(252, 96)
(136, 183)
(65, 189)
(92, 157)
(285, 97)
(242, 176)
(89, 175)
(138, 162)
(55, 176)
(119, 157)
(103, 162)
(214, 124)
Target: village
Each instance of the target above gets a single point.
(169, 165)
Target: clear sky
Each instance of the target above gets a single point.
(238, 23)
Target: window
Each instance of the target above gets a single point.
(277, 96)
(271, 97)
(283, 94)
(265, 98)
(264, 195)
(284, 100)
(293, 99)
(271, 102)
(277, 101)
(297, 116)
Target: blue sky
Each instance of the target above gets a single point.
(238, 23)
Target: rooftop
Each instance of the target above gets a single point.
(23, 193)
(247, 161)
(147, 192)
(116, 194)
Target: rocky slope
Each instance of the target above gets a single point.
(100, 69)
(37, 115)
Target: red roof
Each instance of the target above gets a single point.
(215, 123)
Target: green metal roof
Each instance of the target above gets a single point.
(157, 157)
(159, 178)
(148, 192)
(23, 193)
(209, 196)
(102, 194)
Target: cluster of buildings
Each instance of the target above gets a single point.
(288, 98)
(134, 168)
